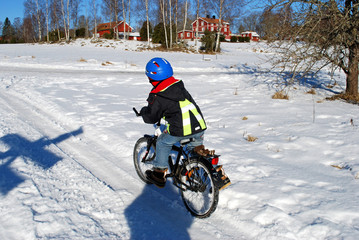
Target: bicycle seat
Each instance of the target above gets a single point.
(184, 142)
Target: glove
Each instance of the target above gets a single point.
(143, 111)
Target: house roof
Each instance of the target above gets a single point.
(109, 26)
(213, 20)
(185, 31)
(106, 26)
(254, 34)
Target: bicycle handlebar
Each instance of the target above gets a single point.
(136, 112)
(139, 115)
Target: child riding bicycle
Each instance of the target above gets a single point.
(170, 100)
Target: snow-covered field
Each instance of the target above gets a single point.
(67, 132)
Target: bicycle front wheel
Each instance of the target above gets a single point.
(142, 161)
(199, 194)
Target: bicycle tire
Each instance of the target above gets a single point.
(139, 152)
(199, 192)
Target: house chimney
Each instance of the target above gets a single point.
(207, 16)
(214, 17)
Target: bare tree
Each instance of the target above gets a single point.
(55, 16)
(224, 9)
(163, 10)
(18, 28)
(47, 20)
(65, 10)
(124, 18)
(129, 15)
(29, 33)
(325, 33)
(251, 22)
(33, 11)
(75, 10)
(197, 27)
(38, 18)
(185, 17)
(148, 24)
(94, 12)
(170, 13)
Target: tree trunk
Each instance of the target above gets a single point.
(129, 18)
(148, 24)
(124, 19)
(170, 23)
(95, 17)
(185, 20)
(197, 27)
(47, 21)
(353, 71)
(64, 18)
(164, 21)
(68, 20)
(219, 24)
(38, 19)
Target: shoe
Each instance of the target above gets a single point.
(222, 179)
(157, 176)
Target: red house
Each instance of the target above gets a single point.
(253, 36)
(111, 26)
(211, 24)
(186, 34)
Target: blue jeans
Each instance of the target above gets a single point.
(164, 145)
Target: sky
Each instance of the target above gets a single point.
(11, 9)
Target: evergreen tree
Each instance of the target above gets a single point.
(209, 41)
(159, 34)
(143, 31)
(7, 30)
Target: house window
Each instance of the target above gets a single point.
(212, 29)
(188, 34)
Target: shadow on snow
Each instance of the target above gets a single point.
(158, 214)
(34, 151)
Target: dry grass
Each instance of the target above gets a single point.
(107, 63)
(346, 97)
(82, 60)
(280, 95)
(244, 118)
(311, 91)
(251, 138)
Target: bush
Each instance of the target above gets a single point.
(244, 39)
(108, 35)
(81, 32)
(234, 39)
(209, 41)
(159, 34)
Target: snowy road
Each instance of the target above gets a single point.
(68, 130)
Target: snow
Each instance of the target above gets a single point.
(67, 135)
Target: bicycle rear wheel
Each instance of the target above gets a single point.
(141, 163)
(199, 194)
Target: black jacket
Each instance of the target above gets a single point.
(164, 102)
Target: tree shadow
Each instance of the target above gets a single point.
(280, 79)
(158, 214)
(34, 151)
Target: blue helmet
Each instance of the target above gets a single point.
(159, 69)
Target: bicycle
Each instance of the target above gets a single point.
(196, 174)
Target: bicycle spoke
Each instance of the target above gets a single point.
(200, 198)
